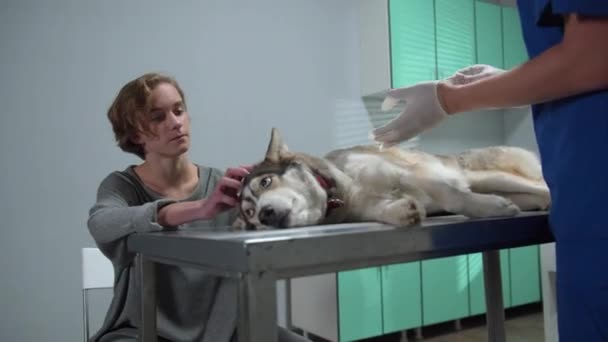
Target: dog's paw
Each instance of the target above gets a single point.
(403, 212)
(507, 208)
(494, 206)
(544, 202)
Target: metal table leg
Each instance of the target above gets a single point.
(147, 330)
(257, 312)
(494, 305)
(288, 320)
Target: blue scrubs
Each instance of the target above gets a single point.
(572, 134)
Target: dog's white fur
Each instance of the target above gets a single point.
(393, 186)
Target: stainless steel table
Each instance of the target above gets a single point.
(258, 259)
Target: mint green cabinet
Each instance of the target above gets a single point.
(378, 300)
(412, 41)
(455, 37)
(359, 303)
(515, 51)
(445, 289)
(401, 297)
(525, 275)
(488, 31)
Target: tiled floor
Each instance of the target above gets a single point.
(524, 324)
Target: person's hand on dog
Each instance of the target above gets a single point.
(225, 195)
(422, 111)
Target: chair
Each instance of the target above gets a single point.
(97, 273)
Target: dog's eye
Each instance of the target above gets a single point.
(249, 212)
(265, 182)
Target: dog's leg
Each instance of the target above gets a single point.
(528, 202)
(450, 191)
(468, 203)
(498, 181)
(446, 187)
(527, 194)
(403, 211)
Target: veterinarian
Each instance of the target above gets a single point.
(166, 191)
(566, 82)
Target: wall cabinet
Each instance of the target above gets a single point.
(412, 27)
(401, 297)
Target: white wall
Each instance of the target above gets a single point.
(245, 66)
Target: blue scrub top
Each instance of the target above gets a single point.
(572, 133)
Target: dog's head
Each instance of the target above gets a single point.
(284, 190)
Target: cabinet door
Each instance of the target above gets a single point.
(515, 51)
(525, 275)
(445, 291)
(412, 41)
(359, 304)
(401, 297)
(488, 32)
(477, 290)
(455, 35)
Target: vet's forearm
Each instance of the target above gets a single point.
(180, 213)
(577, 65)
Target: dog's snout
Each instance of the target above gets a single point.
(269, 216)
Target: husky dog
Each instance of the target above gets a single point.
(393, 186)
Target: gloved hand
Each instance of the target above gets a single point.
(473, 73)
(422, 111)
(423, 106)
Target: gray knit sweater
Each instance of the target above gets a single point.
(187, 298)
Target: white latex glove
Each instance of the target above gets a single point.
(473, 73)
(422, 111)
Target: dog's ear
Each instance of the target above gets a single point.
(239, 223)
(276, 147)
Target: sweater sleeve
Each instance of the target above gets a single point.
(118, 212)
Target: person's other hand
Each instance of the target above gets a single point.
(473, 73)
(225, 195)
(422, 111)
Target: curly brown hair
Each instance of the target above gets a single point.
(128, 112)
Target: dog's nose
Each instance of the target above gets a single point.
(270, 217)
